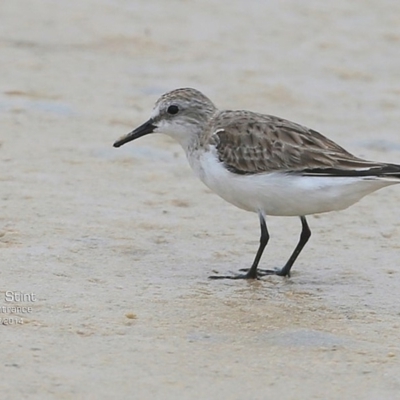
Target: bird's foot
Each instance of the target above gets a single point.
(265, 272)
(248, 275)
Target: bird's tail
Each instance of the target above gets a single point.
(371, 170)
(391, 171)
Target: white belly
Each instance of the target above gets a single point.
(282, 194)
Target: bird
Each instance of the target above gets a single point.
(264, 164)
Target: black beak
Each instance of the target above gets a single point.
(142, 130)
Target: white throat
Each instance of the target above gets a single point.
(186, 135)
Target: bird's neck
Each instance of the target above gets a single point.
(189, 140)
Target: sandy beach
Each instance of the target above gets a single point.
(107, 252)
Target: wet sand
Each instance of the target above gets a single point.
(116, 244)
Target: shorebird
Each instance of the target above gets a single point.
(264, 164)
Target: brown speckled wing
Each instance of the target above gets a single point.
(249, 143)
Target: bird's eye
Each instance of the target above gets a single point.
(172, 110)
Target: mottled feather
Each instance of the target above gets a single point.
(251, 143)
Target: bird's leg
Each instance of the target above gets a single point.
(285, 271)
(252, 272)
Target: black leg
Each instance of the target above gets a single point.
(252, 272)
(285, 271)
